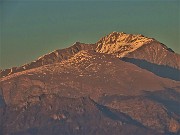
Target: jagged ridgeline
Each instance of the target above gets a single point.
(118, 44)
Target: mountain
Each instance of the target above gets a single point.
(144, 52)
(122, 45)
(123, 84)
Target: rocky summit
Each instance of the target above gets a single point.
(125, 84)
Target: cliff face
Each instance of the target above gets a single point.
(120, 85)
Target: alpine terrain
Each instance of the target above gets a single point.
(125, 84)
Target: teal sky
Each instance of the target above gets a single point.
(31, 28)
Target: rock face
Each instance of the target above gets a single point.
(120, 44)
(103, 88)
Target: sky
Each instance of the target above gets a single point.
(32, 28)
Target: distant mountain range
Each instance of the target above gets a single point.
(125, 84)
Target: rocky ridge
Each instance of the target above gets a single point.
(121, 45)
(50, 58)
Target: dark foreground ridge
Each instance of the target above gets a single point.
(124, 84)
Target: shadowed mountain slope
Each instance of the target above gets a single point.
(160, 70)
(67, 116)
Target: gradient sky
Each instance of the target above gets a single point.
(31, 28)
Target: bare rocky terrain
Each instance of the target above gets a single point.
(125, 84)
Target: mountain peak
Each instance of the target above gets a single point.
(121, 43)
(124, 37)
